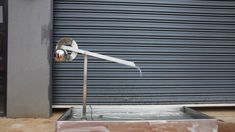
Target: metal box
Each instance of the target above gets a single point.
(136, 118)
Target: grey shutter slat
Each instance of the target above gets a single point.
(186, 50)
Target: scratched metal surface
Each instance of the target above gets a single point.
(123, 113)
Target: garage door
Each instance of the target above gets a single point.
(185, 48)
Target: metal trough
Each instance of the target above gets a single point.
(136, 118)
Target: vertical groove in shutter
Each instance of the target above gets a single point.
(186, 50)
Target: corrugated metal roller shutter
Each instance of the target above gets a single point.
(186, 49)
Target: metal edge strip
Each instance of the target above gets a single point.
(181, 105)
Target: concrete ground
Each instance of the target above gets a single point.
(48, 125)
(29, 124)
